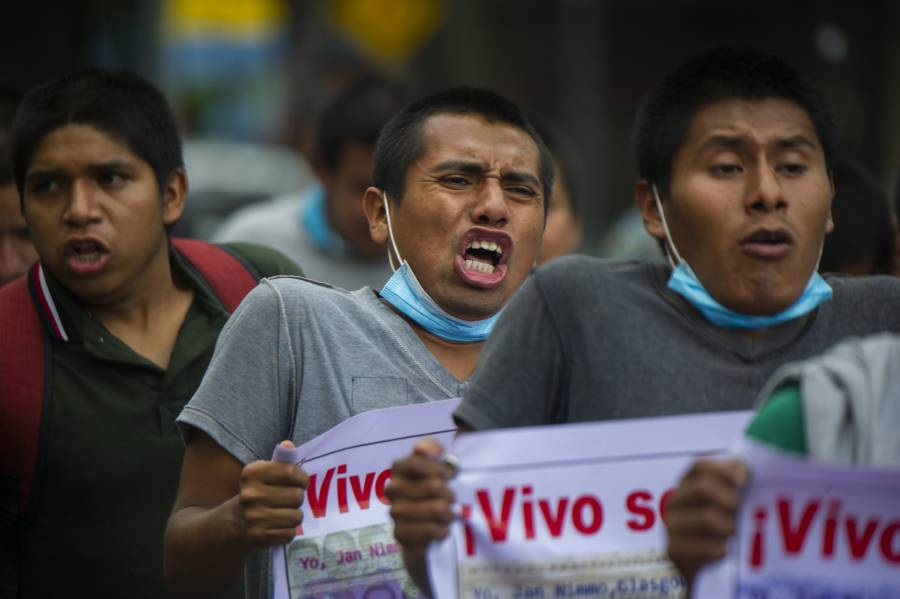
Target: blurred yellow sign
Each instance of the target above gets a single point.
(387, 30)
(230, 19)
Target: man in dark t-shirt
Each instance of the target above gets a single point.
(734, 154)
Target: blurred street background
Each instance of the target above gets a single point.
(247, 78)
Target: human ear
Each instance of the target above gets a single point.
(373, 207)
(173, 196)
(829, 222)
(646, 204)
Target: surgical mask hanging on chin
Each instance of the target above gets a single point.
(685, 283)
(404, 292)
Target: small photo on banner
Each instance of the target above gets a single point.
(345, 547)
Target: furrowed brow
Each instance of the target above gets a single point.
(461, 166)
(797, 141)
(520, 177)
(112, 165)
(722, 141)
(44, 173)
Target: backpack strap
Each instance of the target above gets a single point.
(230, 277)
(23, 342)
(28, 320)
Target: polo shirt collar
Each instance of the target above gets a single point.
(63, 313)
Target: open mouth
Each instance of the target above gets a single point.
(85, 255)
(768, 243)
(483, 257)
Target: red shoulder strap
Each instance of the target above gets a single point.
(229, 278)
(22, 390)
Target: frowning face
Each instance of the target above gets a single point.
(750, 202)
(472, 213)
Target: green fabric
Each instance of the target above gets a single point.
(779, 421)
(275, 262)
(113, 451)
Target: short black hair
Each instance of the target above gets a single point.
(862, 222)
(9, 101)
(357, 114)
(722, 73)
(400, 143)
(118, 103)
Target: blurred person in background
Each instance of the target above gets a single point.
(562, 234)
(324, 227)
(862, 242)
(17, 252)
(105, 340)
(321, 68)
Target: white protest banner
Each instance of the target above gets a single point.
(345, 546)
(571, 510)
(811, 530)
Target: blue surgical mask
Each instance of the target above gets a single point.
(314, 219)
(404, 292)
(684, 282)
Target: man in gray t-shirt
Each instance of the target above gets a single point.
(462, 189)
(734, 152)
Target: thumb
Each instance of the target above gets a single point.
(287, 445)
(429, 447)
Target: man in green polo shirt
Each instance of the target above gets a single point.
(129, 320)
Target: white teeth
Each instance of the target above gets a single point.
(90, 257)
(479, 266)
(485, 245)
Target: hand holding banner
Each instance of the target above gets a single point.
(345, 546)
(571, 510)
(808, 529)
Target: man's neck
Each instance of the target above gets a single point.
(460, 359)
(148, 316)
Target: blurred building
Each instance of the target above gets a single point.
(584, 64)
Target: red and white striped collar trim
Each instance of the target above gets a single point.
(46, 303)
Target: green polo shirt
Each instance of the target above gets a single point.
(113, 453)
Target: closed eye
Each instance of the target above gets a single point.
(456, 180)
(726, 169)
(793, 169)
(522, 190)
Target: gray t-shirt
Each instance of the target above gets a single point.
(299, 357)
(586, 339)
(276, 223)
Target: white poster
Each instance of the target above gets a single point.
(572, 510)
(345, 547)
(809, 530)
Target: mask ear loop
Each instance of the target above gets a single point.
(825, 233)
(673, 251)
(393, 246)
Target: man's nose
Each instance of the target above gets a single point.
(82, 207)
(767, 193)
(491, 207)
